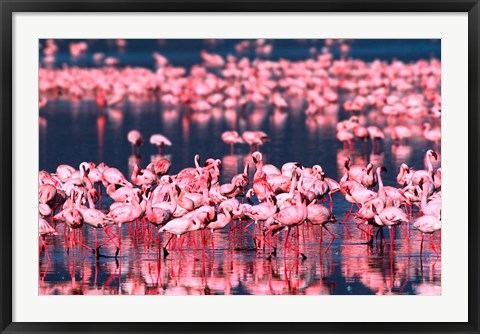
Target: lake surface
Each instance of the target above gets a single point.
(76, 131)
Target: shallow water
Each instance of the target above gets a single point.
(73, 132)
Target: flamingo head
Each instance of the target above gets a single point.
(274, 199)
(348, 190)
(209, 162)
(369, 167)
(249, 195)
(317, 169)
(256, 156)
(177, 189)
(166, 179)
(146, 190)
(347, 164)
(238, 182)
(405, 168)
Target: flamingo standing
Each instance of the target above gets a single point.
(292, 216)
(136, 140)
(428, 224)
(231, 138)
(160, 141)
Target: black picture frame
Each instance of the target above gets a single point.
(8, 7)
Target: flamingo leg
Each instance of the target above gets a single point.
(119, 247)
(75, 240)
(287, 245)
(421, 245)
(45, 248)
(432, 243)
(348, 214)
(165, 252)
(330, 232)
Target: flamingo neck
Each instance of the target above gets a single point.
(429, 163)
(91, 205)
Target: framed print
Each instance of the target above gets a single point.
(245, 166)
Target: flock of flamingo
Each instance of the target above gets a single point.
(193, 200)
(276, 200)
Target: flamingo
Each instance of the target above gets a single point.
(160, 141)
(44, 229)
(231, 138)
(136, 140)
(112, 175)
(142, 177)
(124, 213)
(428, 224)
(424, 175)
(375, 134)
(223, 219)
(292, 216)
(317, 214)
(432, 134)
(254, 138)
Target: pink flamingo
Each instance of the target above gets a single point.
(122, 214)
(292, 216)
(388, 216)
(404, 175)
(231, 138)
(161, 166)
(424, 174)
(317, 214)
(143, 177)
(160, 141)
(375, 134)
(44, 229)
(254, 138)
(432, 134)
(136, 140)
(223, 219)
(428, 224)
(92, 217)
(112, 175)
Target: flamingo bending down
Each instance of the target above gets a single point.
(254, 139)
(231, 138)
(160, 141)
(44, 229)
(318, 214)
(136, 140)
